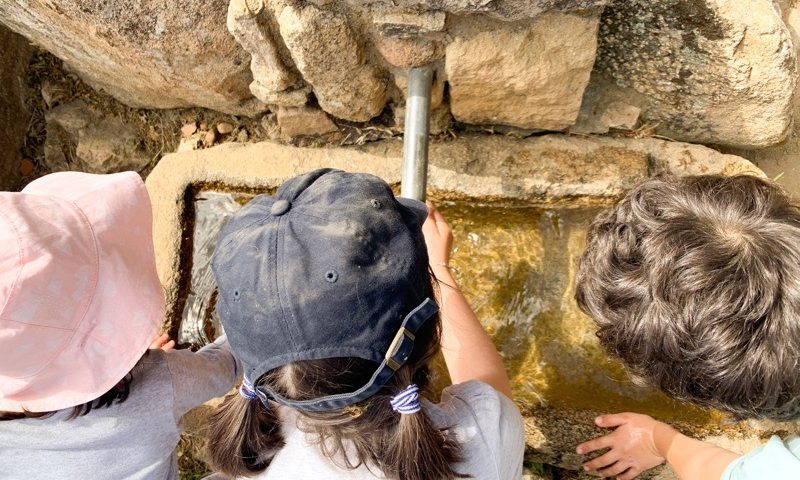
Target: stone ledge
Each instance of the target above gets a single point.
(548, 170)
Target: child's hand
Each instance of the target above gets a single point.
(632, 446)
(163, 342)
(438, 237)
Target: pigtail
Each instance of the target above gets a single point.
(417, 450)
(244, 437)
(402, 446)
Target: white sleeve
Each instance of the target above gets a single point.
(500, 436)
(773, 460)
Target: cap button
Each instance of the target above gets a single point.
(280, 207)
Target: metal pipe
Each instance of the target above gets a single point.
(415, 139)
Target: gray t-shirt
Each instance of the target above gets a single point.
(485, 422)
(132, 440)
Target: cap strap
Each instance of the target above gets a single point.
(396, 356)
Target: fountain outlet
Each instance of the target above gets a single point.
(415, 139)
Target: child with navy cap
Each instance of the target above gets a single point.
(331, 299)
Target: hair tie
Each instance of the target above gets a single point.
(407, 401)
(248, 391)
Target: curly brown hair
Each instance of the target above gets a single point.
(694, 283)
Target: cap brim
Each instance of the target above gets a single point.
(419, 209)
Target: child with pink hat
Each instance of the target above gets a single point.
(81, 394)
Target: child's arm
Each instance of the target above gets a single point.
(639, 443)
(468, 351)
(197, 377)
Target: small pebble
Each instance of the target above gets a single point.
(26, 167)
(203, 126)
(188, 129)
(210, 138)
(224, 128)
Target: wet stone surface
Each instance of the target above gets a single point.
(516, 265)
(199, 323)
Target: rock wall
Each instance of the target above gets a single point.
(13, 112)
(146, 53)
(686, 69)
(782, 161)
(531, 76)
(710, 72)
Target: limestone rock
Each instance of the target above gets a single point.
(249, 27)
(529, 76)
(189, 144)
(782, 161)
(439, 122)
(409, 24)
(326, 51)
(294, 122)
(606, 106)
(64, 124)
(73, 116)
(145, 54)
(209, 138)
(620, 115)
(409, 52)
(437, 89)
(81, 138)
(287, 98)
(224, 128)
(188, 129)
(711, 71)
(13, 112)
(500, 9)
(110, 146)
(269, 124)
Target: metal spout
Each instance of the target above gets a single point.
(415, 139)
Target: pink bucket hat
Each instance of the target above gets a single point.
(80, 299)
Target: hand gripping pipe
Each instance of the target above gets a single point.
(415, 140)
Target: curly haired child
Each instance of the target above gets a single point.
(695, 285)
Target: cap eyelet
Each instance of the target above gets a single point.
(331, 276)
(376, 203)
(236, 295)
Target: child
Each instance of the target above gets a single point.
(80, 394)
(326, 296)
(695, 285)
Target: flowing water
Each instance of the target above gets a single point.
(516, 264)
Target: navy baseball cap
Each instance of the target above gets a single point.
(333, 265)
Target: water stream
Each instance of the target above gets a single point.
(516, 264)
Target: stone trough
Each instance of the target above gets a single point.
(520, 209)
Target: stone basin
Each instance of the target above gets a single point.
(520, 209)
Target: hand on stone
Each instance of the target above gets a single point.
(632, 446)
(163, 342)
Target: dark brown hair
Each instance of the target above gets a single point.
(118, 394)
(245, 436)
(695, 285)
